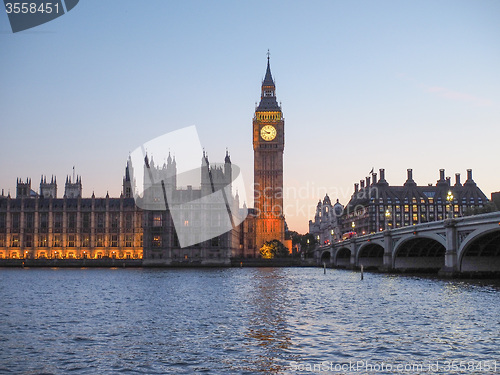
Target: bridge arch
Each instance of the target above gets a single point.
(370, 255)
(480, 252)
(419, 253)
(342, 257)
(326, 256)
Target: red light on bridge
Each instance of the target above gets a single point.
(415, 233)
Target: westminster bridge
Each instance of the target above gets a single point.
(464, 245)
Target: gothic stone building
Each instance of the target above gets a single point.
(197, 220)
(40, 225)
(268, 146)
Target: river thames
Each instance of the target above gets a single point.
(245, 321)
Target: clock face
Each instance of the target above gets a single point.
(268, 132)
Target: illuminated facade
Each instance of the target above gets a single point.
(268, 146)
(40, 225)
(375, 205)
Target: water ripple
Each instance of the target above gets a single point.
(238, 321)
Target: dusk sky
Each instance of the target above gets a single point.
(383, 84)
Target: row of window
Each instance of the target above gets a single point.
(70, 255)
(72, 241)
(157, 242)
(188, 220)
(71, 220)
(415, 208)
(430, 200)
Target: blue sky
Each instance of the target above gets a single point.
(384, 84)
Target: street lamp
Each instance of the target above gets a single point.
(353, 225)
(449, 198)
(387, 217)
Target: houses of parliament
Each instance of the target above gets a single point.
(40, 224)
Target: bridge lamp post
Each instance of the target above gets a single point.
(387, 218)
(449, 198)
(353, 226)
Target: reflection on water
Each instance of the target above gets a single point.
(267, 328)
(238, 321)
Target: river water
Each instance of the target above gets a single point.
(244, 321)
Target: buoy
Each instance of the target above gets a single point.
(361, 272)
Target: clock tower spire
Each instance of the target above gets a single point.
(268, 146)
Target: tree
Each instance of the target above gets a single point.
(274, 249)
(488, 207)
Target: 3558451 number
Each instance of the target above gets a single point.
(25, 8)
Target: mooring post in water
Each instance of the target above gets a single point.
(361, 272)
(324, 268)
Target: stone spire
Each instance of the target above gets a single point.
(268, 92)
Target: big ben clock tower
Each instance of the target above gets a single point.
(268, 146)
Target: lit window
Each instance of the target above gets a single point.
(99, 240)
(128, 240)
(157, 220)
(156, 241)
(15, 240)
(86, 241)
(71, 240)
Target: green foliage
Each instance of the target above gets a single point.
(308, 237)
(273, 249)
(488, 207)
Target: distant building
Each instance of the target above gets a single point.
(495, 198)
(375, 205)
(326, 227)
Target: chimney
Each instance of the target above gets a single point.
(442, 179)
(355, 188)
(374, 178)
(362, 183)
(382, 181)
(469, 181)
(448, 181)
(409, 180)
(368, 180)
(457, 179)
